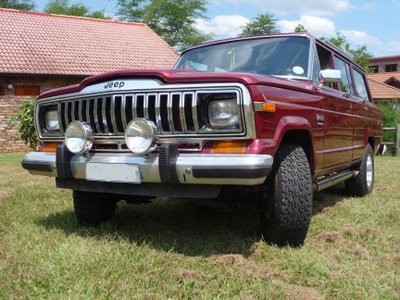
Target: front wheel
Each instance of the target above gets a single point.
(287, 200)
(363, 183)
(91, 209)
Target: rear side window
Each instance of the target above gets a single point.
(361, 86)
(346, 85)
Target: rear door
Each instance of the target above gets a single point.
(337, 113)
(364, 114)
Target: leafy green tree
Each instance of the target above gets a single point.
(173, 20)
(300, 28)
(262, 24)
(17, 4)
(360, 54)
(63, 7)
(26, 126)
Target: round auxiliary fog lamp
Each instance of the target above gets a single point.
(140, 136)
(79, 137)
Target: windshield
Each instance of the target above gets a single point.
(278, 56)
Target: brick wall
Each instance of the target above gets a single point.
(9, 137)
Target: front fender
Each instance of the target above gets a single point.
(288, 123)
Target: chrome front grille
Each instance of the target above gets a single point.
(108, 115)
(180, 112)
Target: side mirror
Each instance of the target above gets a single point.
(331, 76)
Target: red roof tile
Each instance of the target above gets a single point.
(380, 90)
(37, 43)
(384, 77)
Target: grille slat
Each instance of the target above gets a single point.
(96, 115)
(72, 111)
(123, 112)
(88, 110)
(182, 112)
(134, 107)
(170, 114)
(173, 112)
(195, 119)
(146, 107)
(104, 116)
(112, 111)
(158, 112)
(80, 107)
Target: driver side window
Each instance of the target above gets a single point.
(324, 58)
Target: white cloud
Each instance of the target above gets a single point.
(307, 7)
(369, 6)
(394, 46)
(360, 38)
(228, 25)
(317, 26)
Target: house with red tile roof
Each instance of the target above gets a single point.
(71, 48)
(39, 52)
(384, 82)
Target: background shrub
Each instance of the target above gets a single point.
(26, 125)
(391, 117)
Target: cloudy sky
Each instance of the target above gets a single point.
(375, 23)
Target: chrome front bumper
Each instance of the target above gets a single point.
(205, 169)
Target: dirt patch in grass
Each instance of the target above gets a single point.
(349, 239)
(240, 265)
(297, 292)
(189, 274)
(6, 192)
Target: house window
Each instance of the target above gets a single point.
(391, 68)
(27, 90)
(374, 69)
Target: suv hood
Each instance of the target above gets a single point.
(184, 76)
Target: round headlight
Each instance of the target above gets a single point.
(78, 137)
(52, 121)
(140, 136)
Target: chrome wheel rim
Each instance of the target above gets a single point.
(370, 171)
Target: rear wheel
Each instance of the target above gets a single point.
(287, 198)
(363, 183)
(91, 209)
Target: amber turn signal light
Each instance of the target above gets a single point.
(269, 107)
(48, 147)
(229, 147)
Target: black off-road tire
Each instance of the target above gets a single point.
(288, 196)
(91, 209)
(363, 183)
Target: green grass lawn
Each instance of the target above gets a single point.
(175, 249)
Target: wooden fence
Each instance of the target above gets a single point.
(396, 142)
